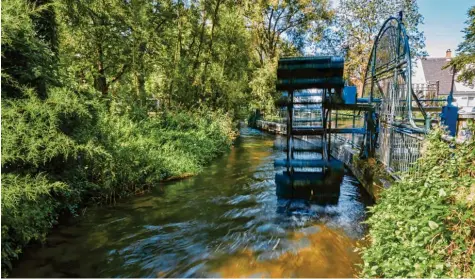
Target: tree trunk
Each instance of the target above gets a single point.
(140, 74)
(100, 81)
(202, 33)
(210, 47)
(197, 57)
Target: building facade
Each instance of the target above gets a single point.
(430, 81)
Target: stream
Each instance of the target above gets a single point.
(224, 222)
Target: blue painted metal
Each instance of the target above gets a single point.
(294, 73)
(449, 118)
(349, 95)
(308, 163)
(294, 163)
(368, 100)
(320, 131)
(306, 83)
(449, 113)
(302, 94)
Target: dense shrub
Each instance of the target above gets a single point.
(142, 152)
(65, 150)
(424, 224)
(29, 210)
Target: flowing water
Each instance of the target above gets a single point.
(224, 222)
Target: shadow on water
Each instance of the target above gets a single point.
(227, 222)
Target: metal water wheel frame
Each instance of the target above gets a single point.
(388, 87)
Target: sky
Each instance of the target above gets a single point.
(444, 21)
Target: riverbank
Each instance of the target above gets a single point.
(424, 224)
(59, 155)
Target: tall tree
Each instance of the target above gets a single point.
(28, 48)
(356, 25)
(274, 22)
(96, 41)
(464, 62)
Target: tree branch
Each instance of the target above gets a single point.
(119, 75)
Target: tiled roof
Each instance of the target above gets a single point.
(433, 72)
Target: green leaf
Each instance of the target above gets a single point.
(442, 193)
(433, 225)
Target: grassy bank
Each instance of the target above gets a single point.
(67, 150)
(424, 224)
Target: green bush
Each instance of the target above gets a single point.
(29, 210)
(142, 152)
(424, 224)
(31, 129)
(64, 151)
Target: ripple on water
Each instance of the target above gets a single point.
(241, 199)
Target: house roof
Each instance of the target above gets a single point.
(433, 72)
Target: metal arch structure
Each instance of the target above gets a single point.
(388, 78)
(399, 115)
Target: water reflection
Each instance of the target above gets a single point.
(316, 251)
(205, 225)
